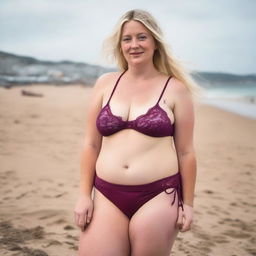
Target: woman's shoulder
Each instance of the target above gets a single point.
(180, 94)
(109, 76)
(106, 79)
(178, 85)
(177, 91)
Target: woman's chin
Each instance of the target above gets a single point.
(137, 62)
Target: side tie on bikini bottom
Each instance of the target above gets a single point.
(176, 191)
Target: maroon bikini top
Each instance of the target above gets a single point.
(155, 122)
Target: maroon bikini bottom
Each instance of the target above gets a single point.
(129, 198)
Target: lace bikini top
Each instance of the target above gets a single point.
(155, 122)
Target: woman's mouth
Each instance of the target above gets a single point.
(135, 53)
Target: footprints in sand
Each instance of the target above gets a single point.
(23, 240)
(54, 233)
(53, 243)
(236, 234)
(229, 221)
(50, 227)
(5, 189)
(6, 175)
(209, 192)
(50, 189)
(203, 242)
(69, 227)
(15, 239)
(58, 222)
(21, 195)
(238, 228)
(13, 189)
(65, 228)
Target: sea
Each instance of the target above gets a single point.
(238, 98)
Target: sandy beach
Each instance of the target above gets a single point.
(40, 140)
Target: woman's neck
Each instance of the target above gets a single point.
(142, 72)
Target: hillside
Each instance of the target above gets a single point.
(18, 70)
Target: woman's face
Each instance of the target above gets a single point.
(137, 43)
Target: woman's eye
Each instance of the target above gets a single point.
(126, 39)
(142, 37)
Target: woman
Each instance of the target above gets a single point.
(138, 151)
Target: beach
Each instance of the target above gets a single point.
(40, 142)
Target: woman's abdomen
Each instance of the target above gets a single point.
(136, 161)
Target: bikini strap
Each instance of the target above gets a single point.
(115, 87)
(164, 89)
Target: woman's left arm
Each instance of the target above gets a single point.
(183, 139)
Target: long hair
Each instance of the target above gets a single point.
(163, 59)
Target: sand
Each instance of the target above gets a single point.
(40, 140)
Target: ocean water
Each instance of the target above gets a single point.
(241, 91)
(240, 99)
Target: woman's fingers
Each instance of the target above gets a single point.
(87, 220)
(185, 219)
(83, 212)
(82, 219)
(186, 225)
(180, 218)
(89, 215)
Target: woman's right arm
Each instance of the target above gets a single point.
(89, 154)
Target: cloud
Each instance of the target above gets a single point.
(210, 35)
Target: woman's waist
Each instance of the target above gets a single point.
(131, 165)
(166, 183)
(132, 173)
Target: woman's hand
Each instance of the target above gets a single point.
(185, 218)
(83, 212)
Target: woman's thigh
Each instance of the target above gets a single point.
(152, 228)
(107, 233)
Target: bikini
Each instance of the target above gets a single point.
(155, 123)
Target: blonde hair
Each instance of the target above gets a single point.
(163, 59)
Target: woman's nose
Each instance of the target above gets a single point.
(134, 43)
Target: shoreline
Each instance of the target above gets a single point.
(241, 106)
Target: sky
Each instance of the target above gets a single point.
(207, 35)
